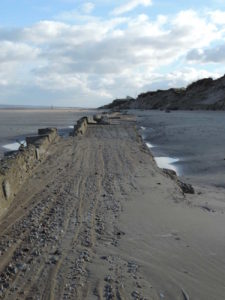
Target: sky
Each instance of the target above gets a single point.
(87, 53)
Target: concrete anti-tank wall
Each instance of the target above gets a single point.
(83, 123)
(42, 141)
(81, 126)
(14, 170)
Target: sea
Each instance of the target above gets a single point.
(16, 124)
(190, 142)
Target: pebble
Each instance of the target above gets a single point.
(104, 257)
(132, 267)
(138, 285)
(54, 259)
(108, 279)
(21, 266)
(57, 252)
(12, 269)
(109, 292)
(135, 295)
(36, 253)
(85, 256)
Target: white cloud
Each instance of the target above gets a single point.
(217, 17)
(194, 30)
(88, 7)
(131, 5)
(215, 54)
(19, 52)
(101, 59)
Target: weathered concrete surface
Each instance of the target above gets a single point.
(81, 126)
(185, 187)
(14, 170)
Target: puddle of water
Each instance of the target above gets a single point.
(14, 146)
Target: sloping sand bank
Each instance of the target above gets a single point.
(99, 220)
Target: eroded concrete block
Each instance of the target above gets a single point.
(6, 189)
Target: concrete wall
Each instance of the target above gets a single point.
(81, 126)
(83, 123)
(14, 170)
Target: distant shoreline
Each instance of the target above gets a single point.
(43, 109)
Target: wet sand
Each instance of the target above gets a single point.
(99, 220)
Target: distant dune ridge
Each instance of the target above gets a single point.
(206, 94)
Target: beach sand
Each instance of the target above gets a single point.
(99, 220)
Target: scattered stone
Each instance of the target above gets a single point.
(138, 285)
(109, 292)
(21, 266)
(185, 187)
(54, 260)
(104, 257)
(135, 295)
(12, 269)
(5, 285)
(120, 233)
(85, 256)
(171, 173)
(25, 250)
(57, 252)
(35, 253)
(132, 267)
(108, 279)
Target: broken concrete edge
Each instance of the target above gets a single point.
(81, 127)
(186, 188)
(82, 124)
(14, 170)
(44, 134)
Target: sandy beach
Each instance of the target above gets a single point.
(99, 220)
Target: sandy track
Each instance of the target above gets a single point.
(98, 220)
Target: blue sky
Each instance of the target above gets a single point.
(86, 53)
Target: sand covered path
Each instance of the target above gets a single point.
(99, 220)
